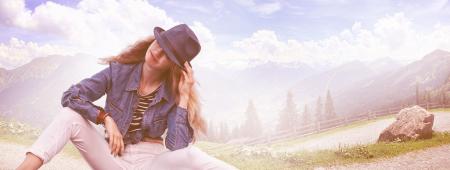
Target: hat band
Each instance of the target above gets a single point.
(177, 56)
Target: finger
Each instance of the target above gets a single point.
(185, 66)
(119, 145)
(122, 147)
(110, 142)
(188, 68)
(188, 77)
(181, 82)
(119, 150)
(113, 145)
(185, 76)
(116, 147)
(191, 78)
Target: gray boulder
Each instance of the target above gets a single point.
(412, 123)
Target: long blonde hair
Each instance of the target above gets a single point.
(135, 53)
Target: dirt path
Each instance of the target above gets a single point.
(13, 154)
(441, 121)
(359, 135)
(432, 158)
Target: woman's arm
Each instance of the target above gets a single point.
(179, 133)
(79, 97)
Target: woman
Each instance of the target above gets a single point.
(150, 88)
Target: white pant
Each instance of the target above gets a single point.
(70, 125)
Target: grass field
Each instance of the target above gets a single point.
(440, 110)
(341, 156)
(297, 160)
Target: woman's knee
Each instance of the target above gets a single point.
(194, 158)
(192, 151)
(69, 115)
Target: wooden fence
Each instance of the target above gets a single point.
(320, 126)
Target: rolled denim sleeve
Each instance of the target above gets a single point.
(80, 97)
(179, 133)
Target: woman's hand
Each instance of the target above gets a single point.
(185, 85)
(115, 137)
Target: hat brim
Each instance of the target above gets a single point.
(165, 46)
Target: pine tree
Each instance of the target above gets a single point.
(417, 94)
(445, 98)
(224, 133)
(235, 132)
(319, 106)
(211, 131)
(427, 96)
(306, 117)
(288, 118)
(329, 107)
(252, 126)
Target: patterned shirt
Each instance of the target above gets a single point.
(135, 128)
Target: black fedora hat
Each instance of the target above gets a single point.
(179, 43)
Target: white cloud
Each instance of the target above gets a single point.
(261, 8)
(97, 27)
(105, 27)
(208, 46)
(217, 4)
(18, 52)
(267, 8)
(13, 13)
(391, 36)
(424, 8)
(189, 6)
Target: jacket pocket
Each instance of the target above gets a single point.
(158, 126)
(115, 107)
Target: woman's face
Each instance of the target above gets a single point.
(156, 58)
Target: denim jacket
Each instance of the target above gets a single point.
(120, 83)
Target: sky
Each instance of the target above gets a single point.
(233, 33)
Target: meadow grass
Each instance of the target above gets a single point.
(340, 156)
(447, 110)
